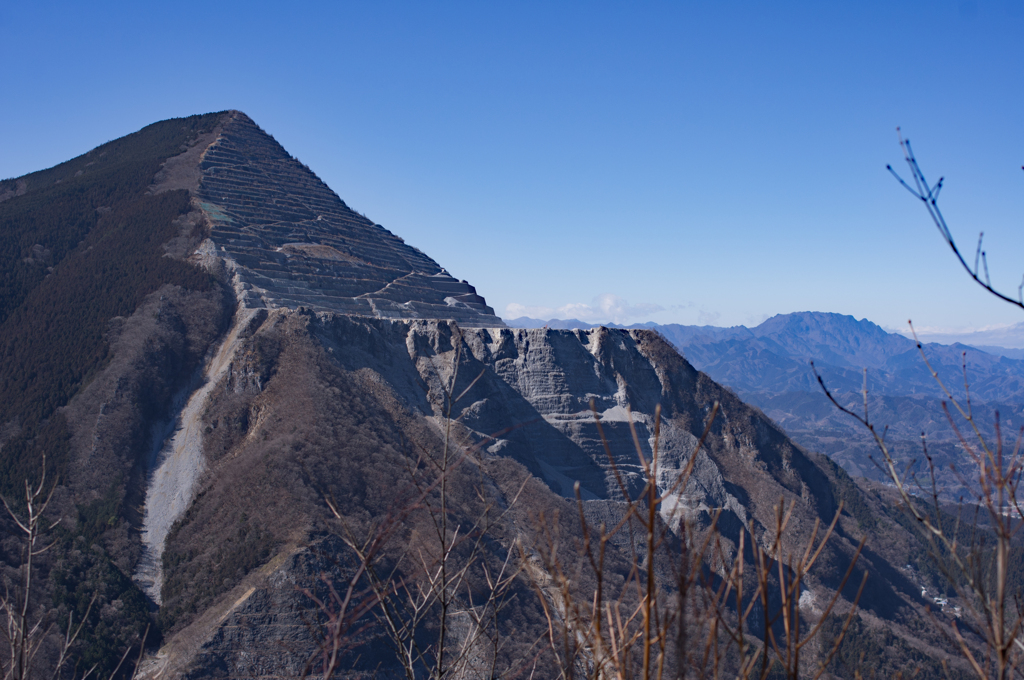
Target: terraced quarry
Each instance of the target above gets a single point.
(293, 243)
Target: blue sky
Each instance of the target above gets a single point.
(677, 162)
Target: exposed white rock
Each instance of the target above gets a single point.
(532, 402)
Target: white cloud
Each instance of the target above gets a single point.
(954, 330)
(998, 335)
(605, 308)
(708, 317)
(514, 310)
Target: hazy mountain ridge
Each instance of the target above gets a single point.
(1007, 340)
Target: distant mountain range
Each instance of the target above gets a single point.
(769, 366)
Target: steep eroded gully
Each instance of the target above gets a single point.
(180, 463)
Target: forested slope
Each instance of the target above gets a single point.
(82, 260)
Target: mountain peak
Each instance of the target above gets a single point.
(290, 241)
(837, 338)
(818, 320)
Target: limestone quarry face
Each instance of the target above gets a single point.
(546, 398)
(289, 241)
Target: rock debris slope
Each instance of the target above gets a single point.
(180, 463)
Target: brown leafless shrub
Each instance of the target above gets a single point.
(36, 647)
(978, 571)
(693, 624)
(424, 574)
(974, 556)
